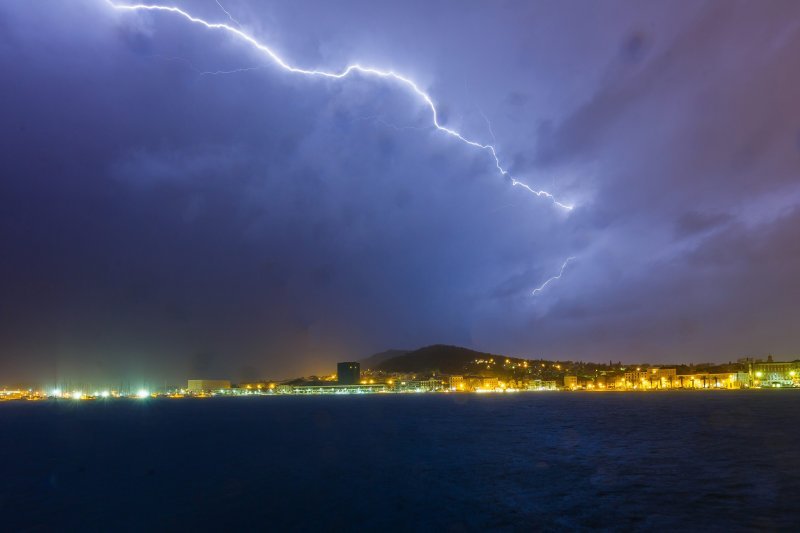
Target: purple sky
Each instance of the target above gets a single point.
(157, 222)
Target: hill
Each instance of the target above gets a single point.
(442, 358)
(375, 360)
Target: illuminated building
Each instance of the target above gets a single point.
(652, 378)
(338, 389)
(426, 385)
(489, 384)
(662, 378)
(477, 383)
(456, 383)
(571, 382)
(775, 373)
(617, 382)
(348, 373)
(719, 380)
(208, 385)
(538, 384)
(636, 379)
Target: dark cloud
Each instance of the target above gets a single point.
(157, 221)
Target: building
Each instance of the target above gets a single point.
(489, 384)
(476, 383)
(662, 378)
(538, 384)
(707, 380)
(652, 378)
(423, 385)
(616, 382)
(338, 389)
(775, 373)
(571, 382)
(456, 383)
(208, 385)
(348, 373)
(636, 379)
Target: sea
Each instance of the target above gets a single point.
(534, 461)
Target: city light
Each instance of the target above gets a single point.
(513, 377)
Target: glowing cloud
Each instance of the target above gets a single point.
(347, 71)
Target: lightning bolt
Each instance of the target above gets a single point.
(234, 71)
(347, 71)
(541, 287)
(489, 125)
(228, 14)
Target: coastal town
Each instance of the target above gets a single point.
(480, 374)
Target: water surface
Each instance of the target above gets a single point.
(717, 460)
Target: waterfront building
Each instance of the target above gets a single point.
(771, 373)
(652, 378)
(636, 379)
(708, 380)
(490, 384)
(348, 373)
(422, 385)
(662, 378)
(338, 389)
(741, 380)
(617, 382)
(571, 382)
(456, 383)
(538, 384)
(477, 383)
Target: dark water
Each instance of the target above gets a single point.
(691, 460)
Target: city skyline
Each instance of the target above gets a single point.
(440, 363)
(177, 203)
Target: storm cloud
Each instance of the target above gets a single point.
(163, 216)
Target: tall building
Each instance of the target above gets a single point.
(348, 373)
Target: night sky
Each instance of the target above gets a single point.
(161, 222)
